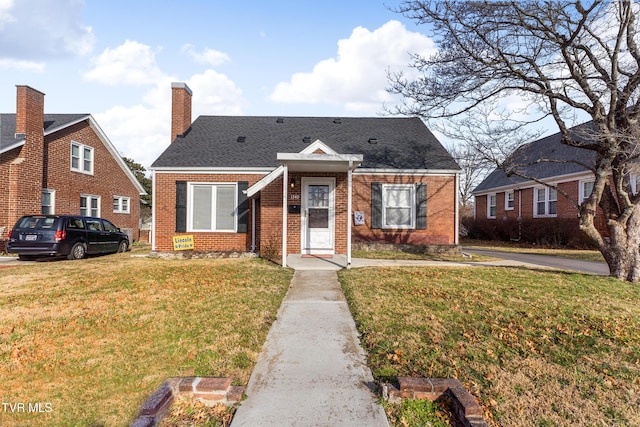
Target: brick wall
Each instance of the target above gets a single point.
(180, 109)
(8, 185)
(108, 179)
(26, 170)
(440, 229)
(165, 214)
(440, 210)
(524, 205)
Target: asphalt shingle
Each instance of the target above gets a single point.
(565, 159)
(212, 141)
(51, 121)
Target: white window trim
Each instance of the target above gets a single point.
(81, 148)
(120, 200)
(89, 198)
(191, 186)
(53, 200)
(506, 200)
(581, 196)
(412, 188)
(546, 201)
(489, 205)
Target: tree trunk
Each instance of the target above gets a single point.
(621, 249)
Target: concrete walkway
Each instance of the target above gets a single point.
(312, 370)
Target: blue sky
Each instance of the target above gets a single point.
(116, 59)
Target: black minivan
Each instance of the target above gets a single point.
(64, 235)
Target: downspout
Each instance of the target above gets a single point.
(285, 196)
(350, 213)
(253, 225)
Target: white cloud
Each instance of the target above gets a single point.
(5, 12)
(37, 30)
(357, 77)
(131, 63)
(207, 56)
(16, 64)
(142, 132)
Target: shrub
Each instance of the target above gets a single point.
(554, 232)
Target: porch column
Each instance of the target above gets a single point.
(349, 212)
(285, 196)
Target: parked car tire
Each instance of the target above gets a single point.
(123, 246)
(78, 251)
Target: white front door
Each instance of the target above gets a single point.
(318, 215)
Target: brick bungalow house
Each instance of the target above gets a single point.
(61, 164)
(503, 198)
(232, 182)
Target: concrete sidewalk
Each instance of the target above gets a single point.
(312, 370)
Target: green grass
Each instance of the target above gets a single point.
(95, 337)
(417, 413)
(534, 347)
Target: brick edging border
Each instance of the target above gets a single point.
(465, 407)
(208, 390)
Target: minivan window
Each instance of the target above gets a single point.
(108, 226)
(75, 223)
(38, 223)
(94, 224)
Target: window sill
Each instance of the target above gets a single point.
(82, 172)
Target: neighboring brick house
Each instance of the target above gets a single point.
(232, 182)
(62, 164)
(500, 197)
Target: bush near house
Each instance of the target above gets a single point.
(555, 232)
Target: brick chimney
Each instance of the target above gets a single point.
(180, 109)
(29, 112)
(27, 170)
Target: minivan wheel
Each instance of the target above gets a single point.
(78, 251)
(123, 246)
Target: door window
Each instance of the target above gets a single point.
(318, 205)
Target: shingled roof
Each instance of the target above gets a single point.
(8, 139)
(385, 142)
(571, 160)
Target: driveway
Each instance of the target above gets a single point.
(591, 267)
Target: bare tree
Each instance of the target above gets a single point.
(560, 59)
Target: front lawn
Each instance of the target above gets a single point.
(89, 340)
(535, 348)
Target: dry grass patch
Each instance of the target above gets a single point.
(94, 337)
(536, 348)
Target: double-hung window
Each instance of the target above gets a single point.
(121, 204)
(48, 202)
(81, 158)
(89, 205)
(586, 187)
(634, 181)
(546, 201)
(509, 201)
(398, 206)
(491, 205)
(212, 207)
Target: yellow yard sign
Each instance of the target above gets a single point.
(183, 243)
